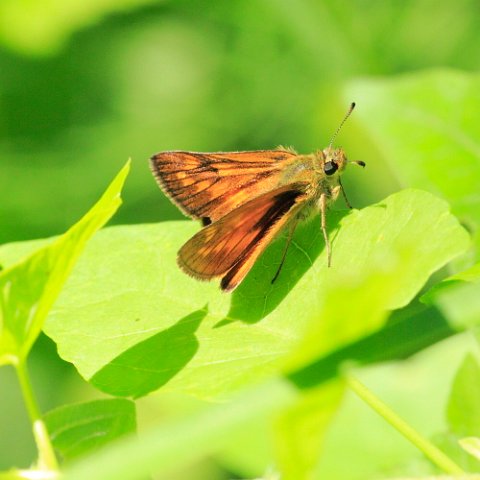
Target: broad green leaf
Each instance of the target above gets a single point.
(408, 331)
(42, 27)
(367, 296)
(427, 127)
(128, 301)
(29, 288)
(471, 445)
(464, 405)
(300, 430)
(458, 297)
(78, 429)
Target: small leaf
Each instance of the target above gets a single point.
(458, 297)
(448, 442)
(463, 411)
(471, 445)
(29, 288)
(78, 429)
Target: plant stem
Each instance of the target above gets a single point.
(429, 450)
(46, 455)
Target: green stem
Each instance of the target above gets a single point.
(429, 450)
(46, 455)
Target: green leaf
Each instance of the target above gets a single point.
(300, 430)
(458, 297)
(463, 411)
(119, 329)
(78, 429)
(370, 294)
(427, 127)
(29, 288)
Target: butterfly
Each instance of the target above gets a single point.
(244, 199)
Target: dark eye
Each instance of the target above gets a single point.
(330, 168)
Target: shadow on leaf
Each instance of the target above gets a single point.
(256, 296)
(150, 364)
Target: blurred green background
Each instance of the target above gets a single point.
(84, 87)
(85, 84)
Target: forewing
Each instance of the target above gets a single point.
(230, 246)
(210, 185)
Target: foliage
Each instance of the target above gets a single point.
(300, 379)
(79, 429)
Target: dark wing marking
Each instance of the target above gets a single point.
(213, 184)
(230, 246)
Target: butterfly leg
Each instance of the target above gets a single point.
(344, 194)
(323, 217)
(293, 225)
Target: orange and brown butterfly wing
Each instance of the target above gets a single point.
(230, 246)
(210, 185)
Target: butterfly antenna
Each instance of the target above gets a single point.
(350, 110)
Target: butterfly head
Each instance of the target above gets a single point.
(335, 161)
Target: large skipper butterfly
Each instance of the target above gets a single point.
(244, 199)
